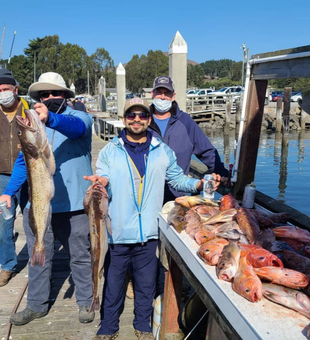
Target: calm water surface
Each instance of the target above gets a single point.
(282, 173)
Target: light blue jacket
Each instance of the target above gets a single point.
(131, 222)
(71, 134)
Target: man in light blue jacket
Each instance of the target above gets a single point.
(134, 168)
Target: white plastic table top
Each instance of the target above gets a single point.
(263, 320)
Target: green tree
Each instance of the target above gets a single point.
(195, 75)
(236, 71)
(22, 71)
(141, 71)
(101, 64)
(73, 64)
(134, 79)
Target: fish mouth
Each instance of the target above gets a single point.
(26, 122)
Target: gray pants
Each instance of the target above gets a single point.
(72, 230)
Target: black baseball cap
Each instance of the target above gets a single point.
(6, 77)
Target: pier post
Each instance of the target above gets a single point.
(279, 115)
(303, 115)
(178, 68)
(102, 94)
(286, 109)
(120, 89)
(227, 115)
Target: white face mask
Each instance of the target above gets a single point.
(162, 105)
(7, 98)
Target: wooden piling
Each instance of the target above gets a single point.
(286, 109)
(279, 115)
(227, 116)
(303, 115)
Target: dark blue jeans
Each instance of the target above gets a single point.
(144, 266)
(8, 258)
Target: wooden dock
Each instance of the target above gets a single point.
(62, 320)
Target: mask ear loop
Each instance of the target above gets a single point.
(53, 134)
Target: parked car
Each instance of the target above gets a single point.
(277, 94)
(221, 95)
(190, 93)
(129, 95)
(296, 96)
(204, 92)
(201, 96)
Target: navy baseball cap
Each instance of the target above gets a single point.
(163, 81)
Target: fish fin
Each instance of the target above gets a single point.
(38, 256)
(94, 305)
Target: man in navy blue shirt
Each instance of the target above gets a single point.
(181, 133)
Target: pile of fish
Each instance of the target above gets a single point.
(259, 253)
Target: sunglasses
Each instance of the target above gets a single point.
(46, 94)
(132, 115)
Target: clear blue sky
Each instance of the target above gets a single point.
(212, 29)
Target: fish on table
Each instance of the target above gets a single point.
(222, 216)
(297, 262)
(248, 224)
(211, 251)
(263, 220)
(288, 297)
(193, 221)
(191, 201)
(176, 218)
(283, 276)
(293, 232)
(260, 257)
(206, 210)
(96, 208)
(228, 202)
(204, 235)
(40, 164)
(246, 283)
(265, 238)
(229, 262)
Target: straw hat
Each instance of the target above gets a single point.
(47, 82)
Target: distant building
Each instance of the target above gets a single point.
(146, 92)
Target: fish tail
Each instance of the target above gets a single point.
(94, 305)
(38, 256)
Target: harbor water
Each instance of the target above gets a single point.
(282, 167)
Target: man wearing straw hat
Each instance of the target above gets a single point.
(71, 132)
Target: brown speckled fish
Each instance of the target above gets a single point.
(96, 207)
(191, 201)
(40, 164)
(229, 262)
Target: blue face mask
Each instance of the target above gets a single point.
(162, 105)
